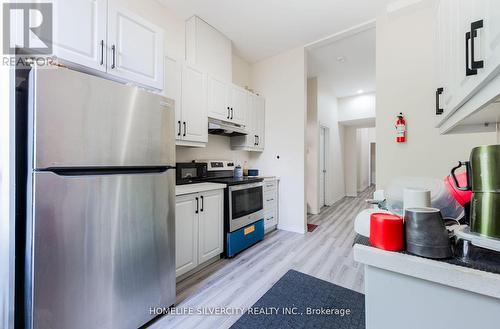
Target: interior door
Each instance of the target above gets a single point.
(102, 245)
(186, 233)
(135, 47)
(211, 225)
(80, 32)
(218, 99)
(322, 169)
(194, 105)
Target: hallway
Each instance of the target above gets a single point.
(325, 253)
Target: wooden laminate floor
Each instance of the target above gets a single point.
(325, 253)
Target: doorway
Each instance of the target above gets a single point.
(323, 155)
(373, 156)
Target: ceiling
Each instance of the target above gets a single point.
(263, 28)
(352, 75)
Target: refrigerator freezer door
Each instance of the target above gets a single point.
(81, 120)
(103, 249)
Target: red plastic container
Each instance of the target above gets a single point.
(387, 231)
(462, 197)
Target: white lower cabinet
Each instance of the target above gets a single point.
(210, 225)
(271, 204)
(199, 229)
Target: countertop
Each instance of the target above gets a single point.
(196, 188)
(477, 281)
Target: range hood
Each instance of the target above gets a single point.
(224, 128)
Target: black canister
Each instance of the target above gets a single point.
(426, 234)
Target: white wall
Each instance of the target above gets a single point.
(218, 148)
(406, 83)
(359, 107)
(328, 117)
(281, 79)
(312, 148)
(241, 72)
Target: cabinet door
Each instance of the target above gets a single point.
(491, 36)
(211, 227)
(251, 122)
(218, 103)
(448, 60)
(135, 47)
(80, 32)
(186, 234)
(261, 122)
(238, 104)
(194, 105)
(172, 89)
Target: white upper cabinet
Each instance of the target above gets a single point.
(238, 104)
(80, 32)
(194, 119)
(102, 36)
(260, 124)
(218, 102)
(135, 47)
(468, 60)
(255, 126)
(208, 49)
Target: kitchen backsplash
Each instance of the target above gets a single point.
(219, 148)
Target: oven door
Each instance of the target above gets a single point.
(246, 204)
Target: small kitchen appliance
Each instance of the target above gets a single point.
(190, 172)
(483, 179)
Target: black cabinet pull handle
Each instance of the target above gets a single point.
(473, 28)
(102, 52)
(228, 112)
(179, 131)
(470, 36)
(232, 113)
(258, 139)
(439, 110)
(255, 140)
(184, 123)
(113, 50)
(197, 205)
(202, 203)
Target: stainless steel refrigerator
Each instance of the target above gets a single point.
(100, 210)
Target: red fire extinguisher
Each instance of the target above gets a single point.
(400, 129)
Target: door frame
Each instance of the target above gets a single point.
(326, 164)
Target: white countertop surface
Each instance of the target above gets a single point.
(196, 188)
(481, 282)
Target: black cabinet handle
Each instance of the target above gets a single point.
(202, 203)
(232, 113)
(258, 139)
(228, 112)
(439, 110)
(179, 132)
(113, 50)
(102, 52)
(470, 36)
(197, 205)
(473, 28)
(184, 123)
(255, 140)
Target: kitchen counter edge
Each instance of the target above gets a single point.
(480, 282)
(197, 188)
